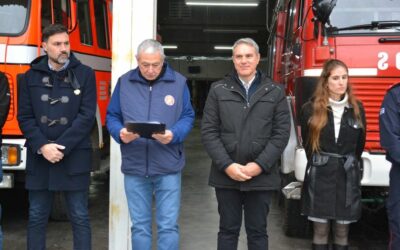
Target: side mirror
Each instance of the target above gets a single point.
(322, 9)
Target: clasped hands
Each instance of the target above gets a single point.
(240, 172)
(128, 137)
(52, 152)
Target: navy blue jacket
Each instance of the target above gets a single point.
(389, 122)
(52, 109)
(4, 107)
(167, 100)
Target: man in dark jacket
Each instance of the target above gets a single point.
(245, 128)
(152, 162)
(389, 121)
(4, 107)
(56, 113)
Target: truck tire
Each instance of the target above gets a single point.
(59, 208)
(295, 224)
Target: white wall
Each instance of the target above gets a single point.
(133, 21)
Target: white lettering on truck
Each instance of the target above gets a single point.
(383, 61)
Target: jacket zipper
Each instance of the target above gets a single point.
(243, 121)
(147, 141)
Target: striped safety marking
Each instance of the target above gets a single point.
(22, 54)
(352, 72)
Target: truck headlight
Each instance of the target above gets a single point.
(10, 155)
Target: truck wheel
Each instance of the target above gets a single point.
(59, 209)
(295, 224)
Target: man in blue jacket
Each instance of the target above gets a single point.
(152, 92)
(4, 107)
(56, 113)
(389, 122)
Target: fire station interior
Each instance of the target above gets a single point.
(197, 39)
(197, 42)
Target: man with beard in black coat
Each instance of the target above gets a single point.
(56, 113)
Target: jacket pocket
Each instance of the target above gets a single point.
(256, 149)
(265, 108)
(354, 123)
(230, 145)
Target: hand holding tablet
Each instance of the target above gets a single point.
(145, 129)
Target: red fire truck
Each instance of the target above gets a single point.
(21, 24)
(365, 34)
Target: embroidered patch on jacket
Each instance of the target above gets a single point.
(169, 100)
(382, 111)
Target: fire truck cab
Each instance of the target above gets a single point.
(21, 24)
(366, 36)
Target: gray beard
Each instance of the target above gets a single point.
(62, 60)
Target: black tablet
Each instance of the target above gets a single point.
(145, 129)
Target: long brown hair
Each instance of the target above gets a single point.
(319, 115)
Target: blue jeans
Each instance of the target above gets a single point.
(40, 203)
(167, 191)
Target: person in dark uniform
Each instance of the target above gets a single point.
(4, 107)
(333, 131)
(56, 113)
(389, 122)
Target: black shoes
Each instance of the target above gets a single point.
(326, 247)
(340, 247)
(320, 247)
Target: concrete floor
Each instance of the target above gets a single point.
(198, 221)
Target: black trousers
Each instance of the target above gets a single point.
(231, 204)
(393, 208)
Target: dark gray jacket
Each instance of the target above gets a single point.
(241, 131)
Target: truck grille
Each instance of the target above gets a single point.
(371, 93)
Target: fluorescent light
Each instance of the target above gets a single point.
(239, 31)
(232, 4)
(219, 47)
(170, 46)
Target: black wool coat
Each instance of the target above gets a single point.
(238, 130)
(327, 185)
(51, 109)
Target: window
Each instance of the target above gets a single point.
(100, 13)
(363, 12)
(13, 16)
(85, 28)
(59, 14)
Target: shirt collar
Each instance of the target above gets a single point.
(247, 83)
(62, 68)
